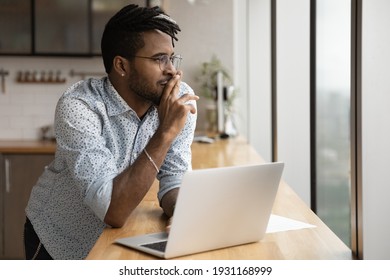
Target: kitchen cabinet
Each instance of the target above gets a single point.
(19, 173)
(55, 27)
(61, 27)
(15, 27)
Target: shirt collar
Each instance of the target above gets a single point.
(115, 104)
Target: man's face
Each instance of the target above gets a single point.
(149, 77)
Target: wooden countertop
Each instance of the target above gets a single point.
(27, 147)
(310, 243)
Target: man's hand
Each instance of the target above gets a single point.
(168, 204)
(173, 109)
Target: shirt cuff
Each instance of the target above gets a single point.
(168, 183)
(98, 197)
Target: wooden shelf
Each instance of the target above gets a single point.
(62, 81)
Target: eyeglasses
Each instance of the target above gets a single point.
(164, 59)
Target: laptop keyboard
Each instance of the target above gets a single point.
(159, 246)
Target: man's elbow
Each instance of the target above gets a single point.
(114, 221)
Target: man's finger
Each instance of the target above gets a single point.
(185, 98)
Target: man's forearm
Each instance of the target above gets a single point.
(130, 187)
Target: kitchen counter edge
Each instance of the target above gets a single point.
(27, 147)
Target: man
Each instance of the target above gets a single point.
(114, 135)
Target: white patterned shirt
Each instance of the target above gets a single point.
(98, 135)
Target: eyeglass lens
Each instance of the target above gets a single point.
(175, 60)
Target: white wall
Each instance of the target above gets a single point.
(293, 93)
(207, 29)
(376, 129)
(241, 60)
(24, 108)
(259, 77)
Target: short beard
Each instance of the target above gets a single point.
(143, 89)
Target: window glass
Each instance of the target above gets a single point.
(333, 95)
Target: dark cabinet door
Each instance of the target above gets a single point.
(15, 27)
(102, 11)
(55, 27)
(21, 173)
(62, 27)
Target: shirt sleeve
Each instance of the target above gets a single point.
(90, 163)
(178, 159)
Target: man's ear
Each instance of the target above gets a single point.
(121, 65)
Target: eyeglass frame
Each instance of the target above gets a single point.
(176, 57)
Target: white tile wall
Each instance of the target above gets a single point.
(25, 107)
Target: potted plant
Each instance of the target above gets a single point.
(208, 79)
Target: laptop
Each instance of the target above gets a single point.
(216, 208)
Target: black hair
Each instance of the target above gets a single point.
(122, 33)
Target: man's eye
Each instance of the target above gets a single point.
(163, 58)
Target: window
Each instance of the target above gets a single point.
(333, 115)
